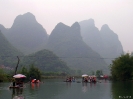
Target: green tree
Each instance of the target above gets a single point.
(34, 72)
(31, 72)
(98, 73)
(25, 71)
(122, 67)
(3, 75)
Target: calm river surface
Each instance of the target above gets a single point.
(57, 89)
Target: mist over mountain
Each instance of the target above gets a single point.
(105, 42)
(112, 46)
(66, 42)
(7, 52)
(27, 34)
(3, 30)
(82, 46)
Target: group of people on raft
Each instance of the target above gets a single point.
(35, 81)
(89, 79)
(70, 79)
(84, 79)
(17, 83)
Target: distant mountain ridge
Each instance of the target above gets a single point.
(105, 41)
(82, 46)
(45, 60)
(8, 53)
(27, 34)
(66, 42)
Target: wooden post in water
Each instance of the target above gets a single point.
(16, 66)
(16, 70)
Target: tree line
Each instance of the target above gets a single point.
(122, 67)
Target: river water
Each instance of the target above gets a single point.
(57, 89)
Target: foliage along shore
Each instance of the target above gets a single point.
(121, 70)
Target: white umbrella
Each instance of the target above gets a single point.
(101, 75)
(84, 75)
(93, 76)
(19, 76)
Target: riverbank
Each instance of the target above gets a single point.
(60, 77)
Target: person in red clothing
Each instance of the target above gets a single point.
(33, 81)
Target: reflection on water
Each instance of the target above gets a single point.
(18, 97)
(57, 89)
(17, 93)
(122, 90)
(68, 84)
(84, 87)
(35, 85)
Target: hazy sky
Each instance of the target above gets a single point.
(118, 14)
